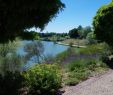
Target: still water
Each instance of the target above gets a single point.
(50, 49)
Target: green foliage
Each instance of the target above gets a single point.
(76, 65)
(80, 32)
(72, 81)
(18, 15)
(95, 49)
(43, 79)
(11, 79)
(62, 56)
(86, 30)
(71, 44)
(12, 63)
(9, 59)
(80, 70)
(77, 72)
(91, 38)
(29, 35)
(102, 24)
(9, 47)
(73, 33)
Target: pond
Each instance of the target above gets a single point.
(50, 49)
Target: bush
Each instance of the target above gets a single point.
(91, 38)
(43, 79)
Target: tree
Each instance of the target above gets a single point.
(86, 30)
(80, 27)
(91, 38)
(83, 31)
(80, 31)
(103, 24)
(32, 35)
(73, 33)
(18, 15)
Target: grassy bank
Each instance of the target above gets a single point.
(80, 70)
(79, 64)
(81, 42)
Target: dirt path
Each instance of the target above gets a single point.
(60, 43)
(101, 85)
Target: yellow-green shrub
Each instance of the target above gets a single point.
(43, 79)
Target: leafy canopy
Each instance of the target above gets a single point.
(18, 15)
(73, 33)
(103, 24)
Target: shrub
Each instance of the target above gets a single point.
(43, 79)
(91, 38)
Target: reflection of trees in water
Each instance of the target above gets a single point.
(34, 50)
(11, 61)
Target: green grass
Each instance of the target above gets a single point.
(80, 70)
(99, 48)
(62, 56)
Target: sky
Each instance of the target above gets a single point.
(77, 12)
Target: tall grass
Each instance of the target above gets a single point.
(99, 48)
(9, 59)
(80, 70)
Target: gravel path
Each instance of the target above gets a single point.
(99, 85)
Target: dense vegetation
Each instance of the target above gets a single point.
(15, 19)
(38, 79)
(103, 24)
(81, 63)
(52, 36)
(43, 79)
(80, 32)
(82, 69)
(76, 64)
(73, 33)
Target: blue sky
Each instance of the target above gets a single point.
(77, 12)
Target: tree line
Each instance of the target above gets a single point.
(80, 32)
